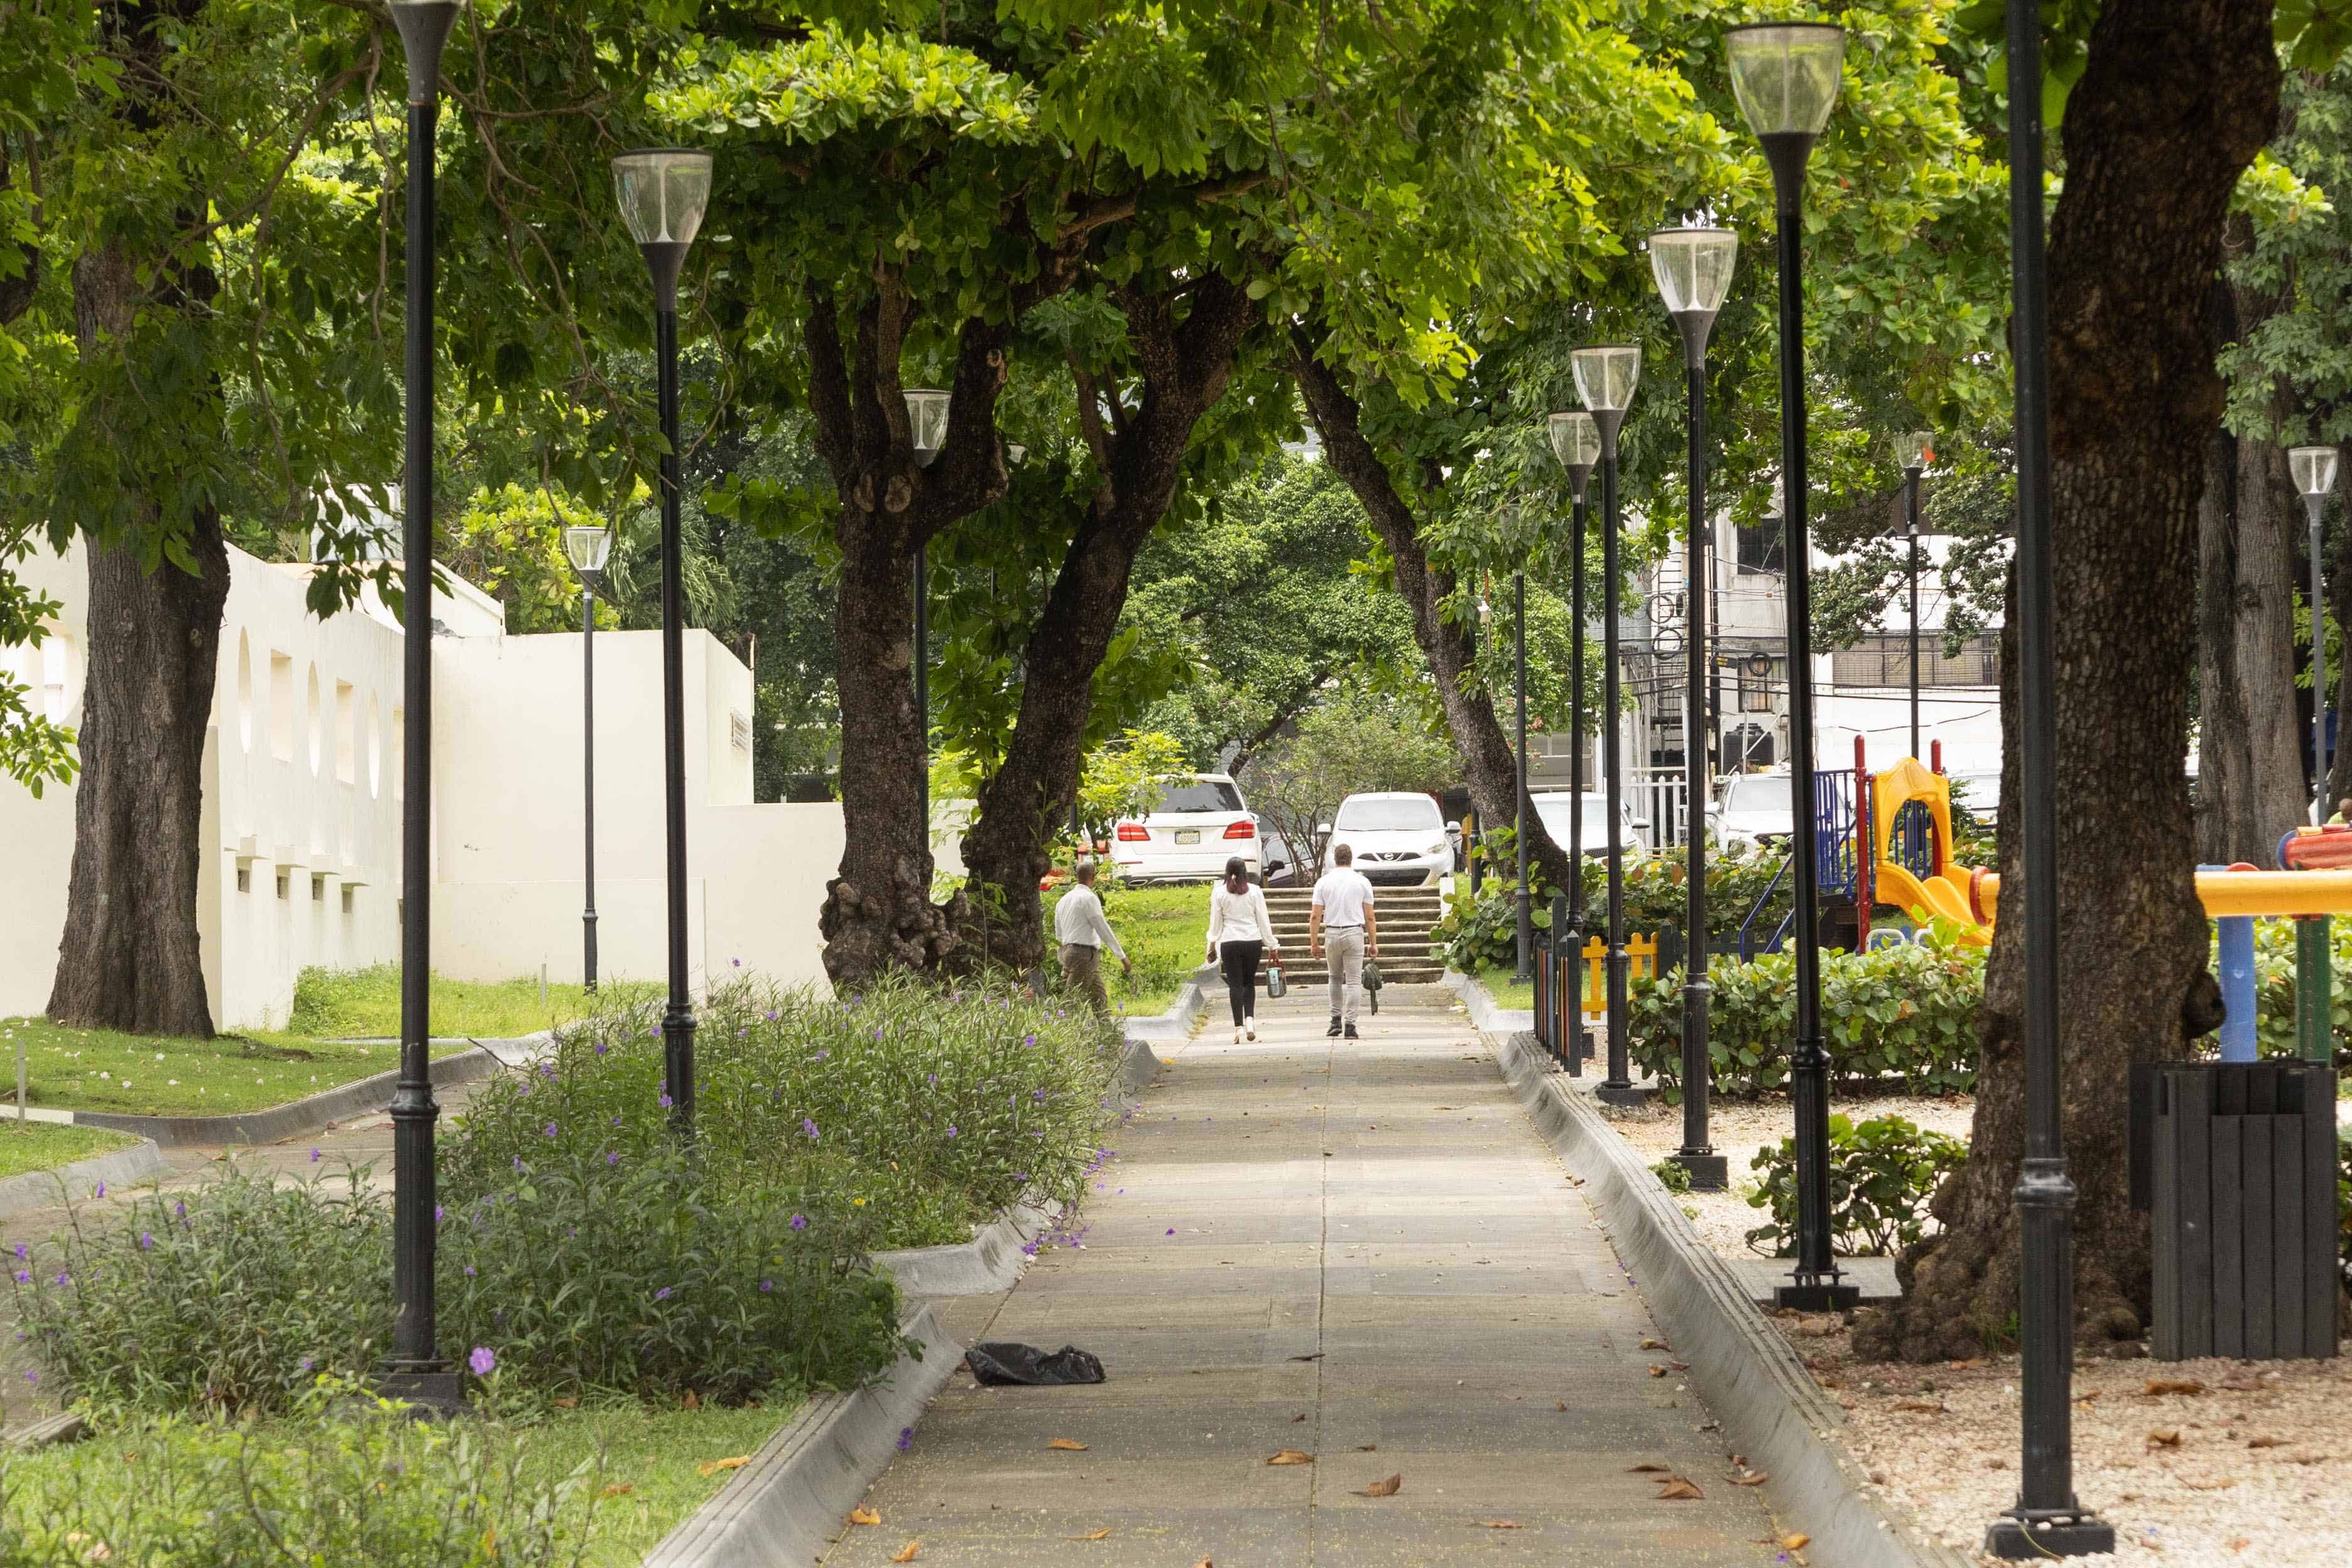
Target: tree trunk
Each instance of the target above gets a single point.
(2176, 98)
(1185, 367)
(1469, 712)
(131, 958)
(2224, 812)
(2339, 601)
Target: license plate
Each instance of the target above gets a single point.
(1188, 836)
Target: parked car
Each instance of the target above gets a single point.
(1552, 808)
(1981, 792)
(1400, 838)
(1752, 808)
(1201, 823)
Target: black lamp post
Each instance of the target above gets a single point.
(662, 191)
(1576, 442)
(1693, 266)
(415, 1370)
(2046, 1521)
(589, 548)
(1913, 451)
(926, 430)
(1606, 375)
(2313, 469)
(1785, 76)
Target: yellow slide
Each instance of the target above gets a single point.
(1938, 898)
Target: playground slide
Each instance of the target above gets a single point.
(1937, 896)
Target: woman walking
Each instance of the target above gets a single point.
(1241, 934)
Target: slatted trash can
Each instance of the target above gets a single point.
(2238, 1161)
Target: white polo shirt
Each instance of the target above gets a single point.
(1345, 895)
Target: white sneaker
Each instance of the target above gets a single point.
(1251, 1030)
(1237, 1036)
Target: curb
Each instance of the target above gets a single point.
(1770, 1408)
(789, 1503)
(130, 1167)
(1176, 1024)
(296, 1118)
(1485, 1016)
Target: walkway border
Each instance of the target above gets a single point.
(1176, 1023)
(132, 1167)
(794, 1496)
(1750, 1378)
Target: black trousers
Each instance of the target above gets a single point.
(1239, 960)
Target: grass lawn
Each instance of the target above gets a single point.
(1508, 991)
(1164, 930)
(44, 1145)
(355, 1003)
(656, 1455)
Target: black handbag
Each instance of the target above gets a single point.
(1372, 982)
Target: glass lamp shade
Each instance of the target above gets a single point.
(927, 420)
(1693, 266)
(1778, 506)
(1015, 453)
(424, 27)
(589, 547)
(1606, 375)
(2313, 469)
(1575, 440)
(663, 191)
(1785, 75)
(1914, 450)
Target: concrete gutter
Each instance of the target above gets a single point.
(1750, 1378)
(1176, 1024)
(1484, 1015)
(794, 1499)
(132, 1167)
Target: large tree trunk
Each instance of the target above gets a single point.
(1469, 712)
(2339, 601)
(1185, 367)
(2176, 98)
(879, 912)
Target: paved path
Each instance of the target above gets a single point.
(1361, 1250)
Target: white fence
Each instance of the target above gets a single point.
(1659, 798)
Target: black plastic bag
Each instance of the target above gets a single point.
(999, 1363)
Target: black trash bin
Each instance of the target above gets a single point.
(2237, 1163)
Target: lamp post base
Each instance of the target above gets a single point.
(431, 1390)
(2037, 1536)
(1821, 1294)
(1709, 1172)
(1632, 1094)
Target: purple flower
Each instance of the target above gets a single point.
(549, 1070)
(101, 1191)
(1029, 1040)
(616, 1122)
(933, 1079)
(551, 1129)
(146, 1241)
(665, 1102)
(20, 1248)
(602, 1048)
(612, 1158)
(518, 1162)
(771, 1015)
(305, 1364)
(32, 1376)
(1020, 1175)
(877, 1031)
(766, 1286)
(523, 1087)
(1172, 1231)
(64, 1279)
(951, 1132)
(483, 1361)
(469, 1268)
(24, 1277)
(808, 1126)
(1039, 1096)
(439, 1213)
(662, 1294)
(822, 1055)
(738, 963)
(906, 1434)
(314, 1156)
(179, 1211)
(799, 1222)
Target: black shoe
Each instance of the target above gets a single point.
(1351, 1032)
(1333, 1032)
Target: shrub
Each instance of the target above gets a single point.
(1675, 1178)
(1904, 1013)
(912, 1113)
(1883, 1173)
(1482, 933)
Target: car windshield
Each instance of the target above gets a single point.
(1758, 794)
(1197, 795)
(1399, 814)
(1553, 810)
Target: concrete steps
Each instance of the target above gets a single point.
(1408, 954)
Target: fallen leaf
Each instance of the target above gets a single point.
(2086, 1398)
(691, 1402)
(1657, 1372)
(567, 1403)
(1926, 1406)
(2306, 1459)
(1751, 1478)
(1068, 1446)
(1090, 1535)
(1291, 1457)
(618, 1489)
(2221, 1485)
(1678, 1488)
(1204, 1563)
(2239, 1542)
(1796, 1542)
(2159, 1386)
(1383, 1489)
(1316, 1356)
(712, 1467)
(1559, 1405)
(1298, 1418)
(907, 1553)
(1645, 1465)
(1973, 1362)
(2265, 1442)
(1655, 1345)
(1501, 1524)
(2167, 1437)
(1679, 1365)
(1368, 1447)
(863, 1516)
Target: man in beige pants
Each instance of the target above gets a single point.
(1084, 930)
(1343, 910)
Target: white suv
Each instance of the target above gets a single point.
(1200, 823)
(1399, 838)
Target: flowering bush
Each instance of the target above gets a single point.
(913, 1114)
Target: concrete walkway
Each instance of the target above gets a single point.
(1360, 1250)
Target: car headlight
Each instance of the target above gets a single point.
(1437, 849)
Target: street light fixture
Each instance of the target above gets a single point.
(2313, 469)
(1606, 375)
(926, 433)
(2047, 1521)
(1693, 267)
(588, 547)
(1785, 76)
(415, 1370)
(1913, 452)
(662, 192)
(1576, 442)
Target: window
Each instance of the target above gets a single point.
(245, 879)
(1885, 659)
(348, 899)
(347, 733)
(243, 691)
(310, 712)
(1180, 795)
(281, 706)
(1757, 795)
(318, 889)
(1397, 813)
(285, 886)
(1763, 546)
(738, 732)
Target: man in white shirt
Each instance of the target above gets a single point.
(1084, 930)
(1343, 912)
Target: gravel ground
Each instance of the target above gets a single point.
(2252, 1468)
(1740, 1128)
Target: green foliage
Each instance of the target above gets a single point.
(1901, 1014)
(1883, 1173)
(2274, 987)
(44, 1145)
(1124, 779)
(1482, 932)
(1352, 743)
(365, 1004)
(1675, 1178)
(508, 541)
